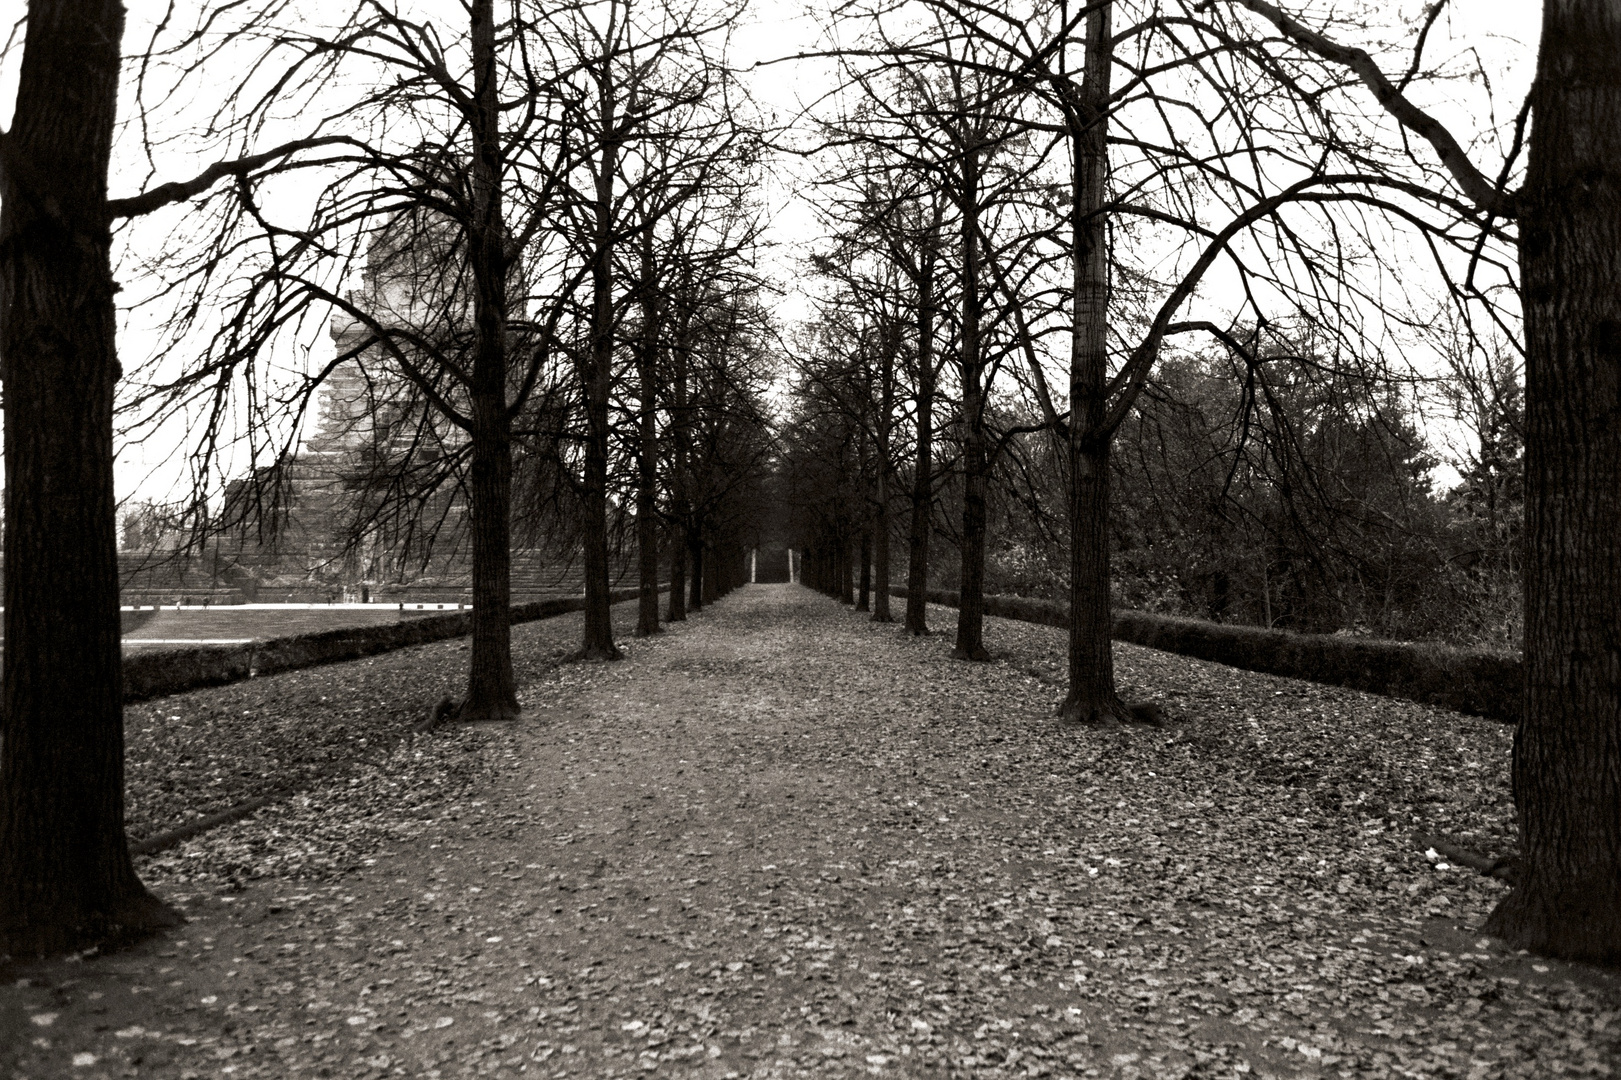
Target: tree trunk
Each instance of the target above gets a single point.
(491, 688)
(971, 601)
(845, 572)
(647, 529)
(66, 880)
(880, 517)
(1092, 698)
(695, 560)
(922, 523)
(680, 510)
(1567, 751)
(677, 610)
(598, 643)
(864, 599)
(711, 585)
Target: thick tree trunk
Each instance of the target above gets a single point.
(971, 600)
(66, 880)
(677, 609)
(864, 598)
(880, 517)
(647, 529)
(845, 572)
(1092, 698)
(491, 689)
(1567, 751)
(695, 562)
(680, 510)
(711, 584)
(598, 641)
(921, 525)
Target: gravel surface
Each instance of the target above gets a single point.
(781, 840)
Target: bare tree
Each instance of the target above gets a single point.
(1567, 751)
(894, 214)
(66, 879)
(451, 165)
(942, 109)
(655, 113)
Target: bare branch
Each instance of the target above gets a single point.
(179, 191)
(1475, 184)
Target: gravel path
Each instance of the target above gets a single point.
(780, 840)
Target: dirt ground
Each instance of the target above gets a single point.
(783, 841)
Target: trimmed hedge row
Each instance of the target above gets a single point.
(174, 671)
(1469, 681)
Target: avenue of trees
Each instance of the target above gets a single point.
(536, 221)
(1238, 434)
(1102, 302)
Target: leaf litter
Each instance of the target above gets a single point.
(781, 840)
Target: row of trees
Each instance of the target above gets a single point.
(1063, 188)
(538, 227)
(1292, 495)
(1238, 186)
(552, 212)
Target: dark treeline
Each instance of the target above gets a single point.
(1290, 496)
(1287, 495)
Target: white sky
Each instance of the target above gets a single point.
(1501, 32)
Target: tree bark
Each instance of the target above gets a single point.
(864, 597)
(1092, 698)
(66, 879)
(598, 641)
(880, 517)
(680, 511)
(1567, 751)
(491, 688)
(711, 583)
(845, 571)
(647, 530)
(971, 600)
(695, 561)
(921, 525)
(676, 610)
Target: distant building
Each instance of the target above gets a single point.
(350, 514)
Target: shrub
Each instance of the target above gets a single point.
(1476, 681)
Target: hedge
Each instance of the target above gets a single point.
(174, 671)
(1467, 680)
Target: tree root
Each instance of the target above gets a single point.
(442, 713)
(1111, 717)
(131, 918)
(1506, 868)
(594, 655)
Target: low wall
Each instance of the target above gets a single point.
(173, 671)
(1470, 681)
